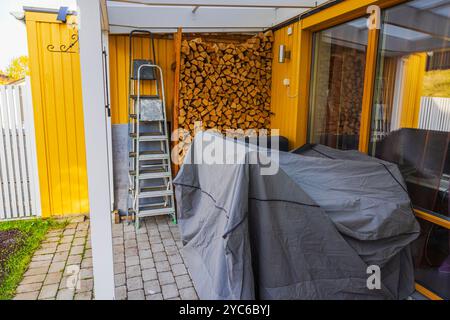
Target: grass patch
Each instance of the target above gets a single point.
(29, 234)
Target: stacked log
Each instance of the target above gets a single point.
(226, 85)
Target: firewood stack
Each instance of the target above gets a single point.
(226, 86)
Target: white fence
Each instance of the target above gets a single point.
(435, 114)
(19, 184)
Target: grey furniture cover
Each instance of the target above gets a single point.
(310, 231)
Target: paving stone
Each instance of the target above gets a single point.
(159, 256)
(118, 249)
(149, 274)
(134, 283)
(133, 271)
(121, 293)
(129, 236)
(36, 271)
(119, 267)
(57, 267)
(86, 273)
(188, 294)
(61, 256)
(66, 239)
(49, 245)
(53, 278)
(146, 253)
(169, 291)
(162, 266)
(65, 294)
(131, 261)
(165, 234)
(69, 232)
(76, 250)
(119, 258)
(152, 287)
(130, 244)
(136, 295)
(119, 279)
(78, 219)
(79, 242)
(171, 250)
(88, 251)
(131, 252)
(27, 296)
(143, 245)
(74, 259)
(33, 279)
(155, 240)
(178, 269)
(63, 247)
(168, 241)
(175, 259)
(86, 285)
(147, 263)
(118, 241)
(30, 287)
(183, 281)
(42, 257)
(83, 295)
(48, 291)
(166, 277)
(157, 296)
(54, 233)
(86, 263)
(39, 264)
(142, 237)
(157, 247)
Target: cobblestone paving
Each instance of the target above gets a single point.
(147, 264)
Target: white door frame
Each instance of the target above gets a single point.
(95, 127)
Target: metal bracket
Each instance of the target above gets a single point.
(65, 48)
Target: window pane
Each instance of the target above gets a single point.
(411, 111)
(339, 58)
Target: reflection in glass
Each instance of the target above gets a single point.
(339, 57)
(411, 110)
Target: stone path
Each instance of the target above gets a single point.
(147, 264)
(62, 268)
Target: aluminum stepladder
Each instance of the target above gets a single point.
(150, 176)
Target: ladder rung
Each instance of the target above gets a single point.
(145, 97)
(146, 138)
(134, 116)
(154, 194)
(154, 211)
(150, 155)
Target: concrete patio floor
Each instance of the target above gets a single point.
(148, 264)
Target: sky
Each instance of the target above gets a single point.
(13, 37)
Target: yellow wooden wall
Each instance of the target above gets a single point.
(58, 112)
(413, 75)
(119, 71)
(285, 100)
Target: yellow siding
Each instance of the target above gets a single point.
(284, 100)
(58, 112)
(413, 75)
(119, 71)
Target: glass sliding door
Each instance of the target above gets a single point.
(336, 91)
(410, 122)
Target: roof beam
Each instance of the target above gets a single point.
(269, 4)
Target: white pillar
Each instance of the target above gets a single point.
(95, 128)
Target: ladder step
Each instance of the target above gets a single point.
(153, 192)
(153, 175)
(147, 137)
(150, 155)
(156, 211)
(134, 116)
(145, 97)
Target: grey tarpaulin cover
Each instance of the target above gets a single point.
(310, 231)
